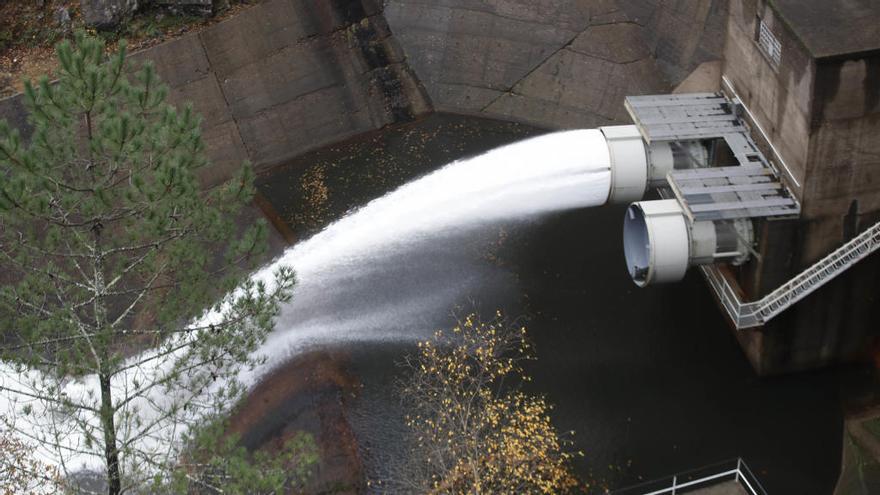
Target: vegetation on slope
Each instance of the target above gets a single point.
(30, 29)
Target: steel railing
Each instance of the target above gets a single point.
(756, 313)
(732, 470)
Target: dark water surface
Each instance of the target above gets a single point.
(652, 380)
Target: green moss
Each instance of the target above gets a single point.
(150, 25)
(873, 426)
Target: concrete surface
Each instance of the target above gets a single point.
(680, 34)
(779, 97)
(860, 462)
(287, 76)
(554, 63)
(828, 29)
(725, 488)
(823, 116)
(706, 78)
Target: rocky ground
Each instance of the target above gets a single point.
(308, 394)
(30, 29)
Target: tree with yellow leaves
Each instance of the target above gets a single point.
(20, 472)
(474, 430)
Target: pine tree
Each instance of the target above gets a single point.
(109, 251)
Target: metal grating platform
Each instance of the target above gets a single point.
(752, 189)
(721, 193)
(683, 117)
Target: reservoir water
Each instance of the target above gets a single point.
(652, 381)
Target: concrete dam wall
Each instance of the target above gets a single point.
(554, 63)
(288, 76)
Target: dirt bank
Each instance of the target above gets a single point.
(308, 394)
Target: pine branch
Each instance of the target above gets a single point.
(47, 398)
(139, 297)
(101, 211)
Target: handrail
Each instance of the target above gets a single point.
(757, 313)
(732, 470)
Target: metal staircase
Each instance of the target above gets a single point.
(756, 313)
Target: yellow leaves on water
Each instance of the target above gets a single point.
(316, 196)
(484, 437)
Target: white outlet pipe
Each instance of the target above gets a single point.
(635, 167)
(628, 161)
(656, 242)
(660, 243)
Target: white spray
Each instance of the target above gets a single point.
(374, 274)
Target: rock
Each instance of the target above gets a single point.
(193, 7)
(107, 14)
(62, 18)
(6, 87)
(220, 6)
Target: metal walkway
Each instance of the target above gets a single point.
(683, 117)
(751, 190)
(757, 313)
(720, 193)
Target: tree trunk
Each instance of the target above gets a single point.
(111, 451)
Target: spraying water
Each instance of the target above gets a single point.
(381, 271)
(382, 266)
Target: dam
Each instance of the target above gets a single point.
(806, 103)
(722, 301)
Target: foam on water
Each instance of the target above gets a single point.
(374, 274)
